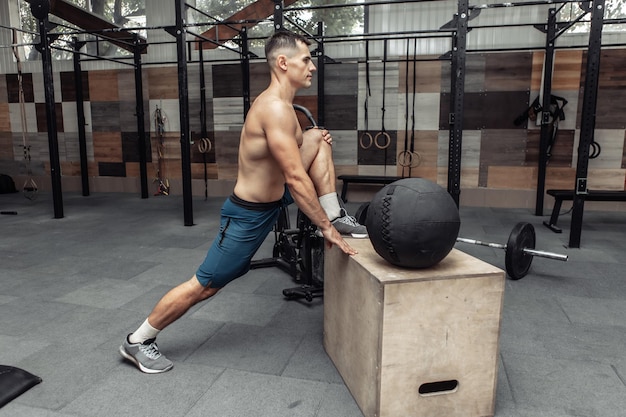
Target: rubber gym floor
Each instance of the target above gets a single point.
(72, 288)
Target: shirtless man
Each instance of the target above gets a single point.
(278, 164)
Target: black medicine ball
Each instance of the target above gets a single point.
(413, 223)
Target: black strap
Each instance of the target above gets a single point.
(367, 82)
(413, 108)
(384, 83)
(406, 98)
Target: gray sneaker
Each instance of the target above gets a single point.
(146, 356)
(347, 225)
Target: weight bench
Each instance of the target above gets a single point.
(592, 195)
(364, 179)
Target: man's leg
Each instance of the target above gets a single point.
(178, 301)
(140, 347)
(317, 157)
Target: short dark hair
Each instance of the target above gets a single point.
(283, 39)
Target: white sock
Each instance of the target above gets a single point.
(330, 204)
(143, 333)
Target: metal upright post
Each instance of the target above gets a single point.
(245, 70)
(320, 74)
(545, 114)
(80, 115)
(456, 101)
(141, 128)
(40, 10)
(279, 22)
(588, 121)
(183, 106)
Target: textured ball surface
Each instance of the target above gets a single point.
(413, 223)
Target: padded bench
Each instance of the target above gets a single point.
(364, 179)
(592, 195)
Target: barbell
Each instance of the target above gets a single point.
(519, 250)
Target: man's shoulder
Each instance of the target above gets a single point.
(270, 103)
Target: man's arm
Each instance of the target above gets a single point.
(280, 129)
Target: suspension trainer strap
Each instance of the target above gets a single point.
(366, 140)
(30, 186)
(383, 131)
(415, 156)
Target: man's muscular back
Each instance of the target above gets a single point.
(260, 177)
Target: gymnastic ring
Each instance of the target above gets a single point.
(415, 156)
(387, 142)
(405, 159)
(204, 146)
(597, 149)
(371, 140)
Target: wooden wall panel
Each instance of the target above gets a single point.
(259, 78)
(13, 90)
(502, 147)
(567, 70)
(345, 144)
(227, 81)
(521, 178)
(128, 116)
(562, 149)
(610, 109)
(5, 118)
(492, 110)
(130, 147)
(227, 171)
(470, 152)
(474, 74)
(105, 116)
(560, 177)
(195, 120)
(426, 77)
(341, 79)
(107, 146)
(6, 146)
(612, 69)
(226, 147)
(162, 82)
(126, 86)
(42, 121)
(111, 169)
(3, 90)
(197, 171)
(340, 112)
(612, 144)
(68, 89)
(103, 85)
(606, 179)
(624, 152)
(228, 113)
(509, 71)
(566, 74)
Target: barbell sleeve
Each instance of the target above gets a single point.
(544, 254)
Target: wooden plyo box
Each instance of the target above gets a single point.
(414, 342)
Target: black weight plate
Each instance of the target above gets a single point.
(518, 262)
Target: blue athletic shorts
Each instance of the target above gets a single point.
(243, 228)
